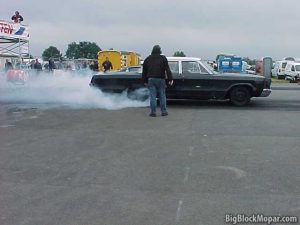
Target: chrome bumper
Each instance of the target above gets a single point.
(265, 93)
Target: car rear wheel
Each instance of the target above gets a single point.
(240, 96)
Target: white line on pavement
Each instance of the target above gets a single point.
(6, 126)
(187, 173)
(179, 210)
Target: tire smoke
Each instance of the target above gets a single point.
(63, 89)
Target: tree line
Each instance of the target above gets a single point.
(83, 49)
(89, 50)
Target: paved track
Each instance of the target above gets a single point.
(93, 166)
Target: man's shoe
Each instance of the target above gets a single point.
(164, 114)
(152, 114)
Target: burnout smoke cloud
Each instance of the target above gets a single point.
(63, 89)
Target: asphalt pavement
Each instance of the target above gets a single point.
(64, 166)
(285, 86)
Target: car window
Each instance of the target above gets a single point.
(130, 69)
(134, 69)
(193, 67)
(190, 67)
(293, 68)
(203, 70)
(297, 67)
(174, 67)
(283, 65)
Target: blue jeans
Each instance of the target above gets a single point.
(157, 86)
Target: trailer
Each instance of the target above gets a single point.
(119, 59)
(229, 63)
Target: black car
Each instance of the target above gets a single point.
(193, 79)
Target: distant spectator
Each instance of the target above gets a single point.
(77, 66)
(32, 62)
(8, 65)
(94, 66)
(18, 65)
(51, 65)
(91, 65)
(107, 65)
(17, 18)
(259, 67)
(37, 66)
(215, 66)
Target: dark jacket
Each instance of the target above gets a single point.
(17, 18)
(107, 66)
(156, 66)
(51, 64)
(37, 66)
(8, 66)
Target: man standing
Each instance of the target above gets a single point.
(155, 69)
(107, 65)
(51, 65)
(17, 18)
(37, 66)
(8, 65)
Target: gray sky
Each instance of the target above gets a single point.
(200, 28)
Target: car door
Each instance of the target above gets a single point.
(175, 91)
(197, 81)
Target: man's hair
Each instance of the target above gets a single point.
(156, 50)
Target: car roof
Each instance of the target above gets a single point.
(132, 66)
(184, 58)
(294, 63)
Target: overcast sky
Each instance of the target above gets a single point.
(200, 28)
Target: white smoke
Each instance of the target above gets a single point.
(63, 89)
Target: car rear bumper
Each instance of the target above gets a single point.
(265, 93)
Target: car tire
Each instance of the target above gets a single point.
(240, 96)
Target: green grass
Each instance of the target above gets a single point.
(274, 80)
